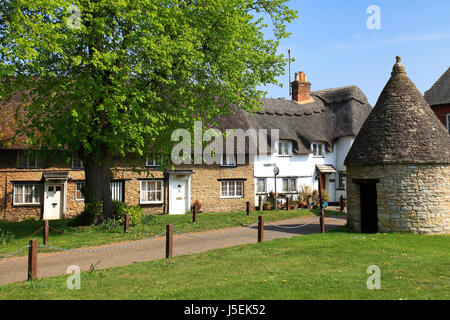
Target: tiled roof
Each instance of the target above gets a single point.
(439, 93)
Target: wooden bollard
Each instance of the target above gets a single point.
(32, 259)
(260, 228)
(261, 204)
(169, 241)
(46, 231)
(322, 221)
(126, 225)
(288, 203)
(248, 208)
(195, 213)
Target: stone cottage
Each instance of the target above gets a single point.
(398, 168)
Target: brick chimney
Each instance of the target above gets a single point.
(301, 89)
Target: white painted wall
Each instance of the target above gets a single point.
(303, 169)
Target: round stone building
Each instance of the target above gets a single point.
(398, 169)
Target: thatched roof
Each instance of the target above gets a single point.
(332, 113)
(439, 93)
(401, 128)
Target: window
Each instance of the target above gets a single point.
(151, 162)
(448, 122)
(284, 148)
(341, 182)
(289, 185)
(228, 160)
(318, 150)
(117, 190)
(232, 189)
(261, 185)
(78, 194)
(28, 160)
(151, 191)
(77, 163)
(27, 193)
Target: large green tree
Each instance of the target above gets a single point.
(106, 78)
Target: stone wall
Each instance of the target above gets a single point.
(414, 198)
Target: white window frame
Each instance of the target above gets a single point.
(142, 191)
(257, 185)
(447, 116)
(284, 148)
(119, 186)
(341, 181)
(24, 159)
(151, 162)
(316, 146)
(228, 160)
(77, 163)
(36, 187)
(289, 182)
(231, 192)
(78, 186)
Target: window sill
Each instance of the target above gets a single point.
(152, 202)
(26, 205)
(236, 197)
(284, 156)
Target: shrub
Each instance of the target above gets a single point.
(325, 195)
(120, 209)
(6, 236)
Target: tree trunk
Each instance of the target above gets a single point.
(98, 189)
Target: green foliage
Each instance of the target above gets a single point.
(6, 236)
(121, 209)
(325, 195)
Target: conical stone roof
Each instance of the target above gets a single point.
(401, 128)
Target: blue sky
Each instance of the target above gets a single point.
(333, 46)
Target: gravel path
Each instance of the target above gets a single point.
(14, 269)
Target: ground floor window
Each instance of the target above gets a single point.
(151, 191)
(232, 189)
(261, 185)
(27, 193)
(116, 191)
(289, 184)
(448, 122)
(341, 182)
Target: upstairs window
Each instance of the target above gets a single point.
(341, 182)
(448, 122)
(228, 160)
(151, 162)
(318, 150)
(284, 148)
(77, 163)
(28, 160)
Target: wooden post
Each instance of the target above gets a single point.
(288, 203)
(32, 259)
(260, 228)
(46, 231)
(322, 214)
(169, 241)
(261, 204)
(194, 215)
(248, 208)
(126, 225)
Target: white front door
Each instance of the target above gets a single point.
(178, 197)
(52, 201)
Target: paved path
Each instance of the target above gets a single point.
(14, 269)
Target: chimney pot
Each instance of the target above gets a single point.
(301, 89)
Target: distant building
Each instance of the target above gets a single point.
(398, 169)
(438, 97)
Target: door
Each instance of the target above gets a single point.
(178, 197)
(369, 208)
(52, 201)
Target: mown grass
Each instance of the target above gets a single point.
(317, 266)
(77, 237)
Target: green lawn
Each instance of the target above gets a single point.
(317, 266)
(97, 235)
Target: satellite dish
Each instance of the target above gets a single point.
(276, 170)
